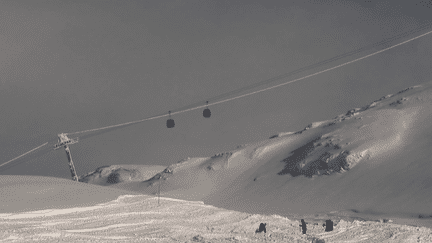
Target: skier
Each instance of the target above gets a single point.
(329, 225)
(303, 225)
(261, 228)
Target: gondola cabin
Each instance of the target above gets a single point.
(206, 112)
(170, 122)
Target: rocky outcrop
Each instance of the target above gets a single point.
(109, 175)
(321, 156)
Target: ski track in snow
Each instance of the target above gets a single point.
(140, 219)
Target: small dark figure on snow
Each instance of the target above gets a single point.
(329, 225)
(303, 225)
(262, 228)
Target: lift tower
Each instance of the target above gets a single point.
(63, 140)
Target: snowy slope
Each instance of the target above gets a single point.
(27, 193)
(371, 161)
(140, 219)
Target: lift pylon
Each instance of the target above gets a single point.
(63, 140)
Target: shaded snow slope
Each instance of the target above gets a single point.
(140, 219)
(371, 161)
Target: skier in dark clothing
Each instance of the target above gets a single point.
(303, 225)
(262, 228)
(328, 225)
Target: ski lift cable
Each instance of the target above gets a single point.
(24, 154)
(424, 26)
(304, 77)
(260, 83)
(266, 81)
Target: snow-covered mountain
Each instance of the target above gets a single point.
(374, 160)
(368, 170)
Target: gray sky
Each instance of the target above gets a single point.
(68, 66)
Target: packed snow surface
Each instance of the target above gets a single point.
(134, 218)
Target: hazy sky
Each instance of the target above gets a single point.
(68, 66)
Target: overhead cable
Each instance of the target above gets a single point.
(194, 107)
(24, 154)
